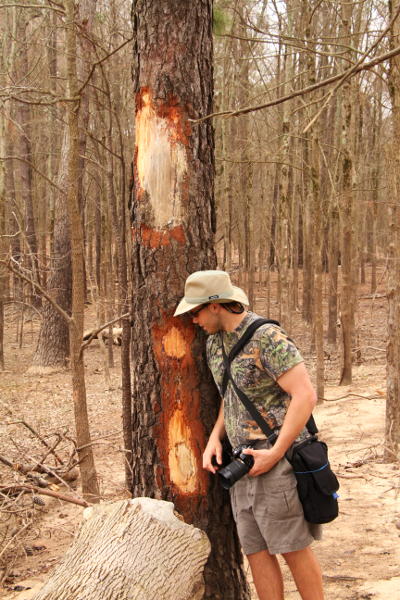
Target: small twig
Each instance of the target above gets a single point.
(99, 62)
(40, 439)
(103, 437)
(51, 450)
(38, 287)
(13, 537)
(374, 348)
(10, 235)
(371, 296)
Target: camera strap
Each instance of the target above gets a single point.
(247, 335)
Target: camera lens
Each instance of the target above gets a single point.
(232, 473)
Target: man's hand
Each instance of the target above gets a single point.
(264, 460)
(213, 448)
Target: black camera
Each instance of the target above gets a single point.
(240, 465)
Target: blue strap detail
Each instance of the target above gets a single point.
(314, 471)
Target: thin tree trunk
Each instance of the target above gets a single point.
(90, 486)
(119, 230)
(333, 261)
(24, 116)
(346, 216)
(318, 316)
(392, 426)
(3, 239)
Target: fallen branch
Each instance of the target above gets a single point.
(343, 578)
(371, 296)
(352, 394)
(95, 333)
(350, 476)
(71, 476)
(33, 488)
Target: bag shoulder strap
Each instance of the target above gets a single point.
(242, 341)
(247, 335)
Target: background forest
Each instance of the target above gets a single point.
(306, 121)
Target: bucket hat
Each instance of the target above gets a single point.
(202, 287)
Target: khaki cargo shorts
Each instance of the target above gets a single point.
(268, 512)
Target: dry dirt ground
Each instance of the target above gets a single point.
(360, 553)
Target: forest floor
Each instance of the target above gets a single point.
(360, 551)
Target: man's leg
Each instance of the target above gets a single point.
(306, 573)
(267, 575)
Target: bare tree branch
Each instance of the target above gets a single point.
(35, 169)
(41, 6)
(352, 70)
(18, 272)
(311, 88)
(99, 62)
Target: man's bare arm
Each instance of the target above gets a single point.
(214, 446)
(296, 382)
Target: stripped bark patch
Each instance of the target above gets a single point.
(181, 459)
(161, 161)
(181, 434)
(174, 343)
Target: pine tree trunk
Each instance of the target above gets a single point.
(174, 401)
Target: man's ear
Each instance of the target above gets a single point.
(214, 307)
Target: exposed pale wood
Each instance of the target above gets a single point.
(131, 550)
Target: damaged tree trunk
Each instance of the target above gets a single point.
(175, 402)
(131, 550)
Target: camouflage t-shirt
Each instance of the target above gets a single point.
(265, 357)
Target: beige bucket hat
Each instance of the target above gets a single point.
(202, 287)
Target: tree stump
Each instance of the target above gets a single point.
(131, 550)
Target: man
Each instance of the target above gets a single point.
(271, 371)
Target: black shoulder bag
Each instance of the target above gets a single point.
(316, 482)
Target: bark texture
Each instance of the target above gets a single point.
(174, 401)
(131, 550)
